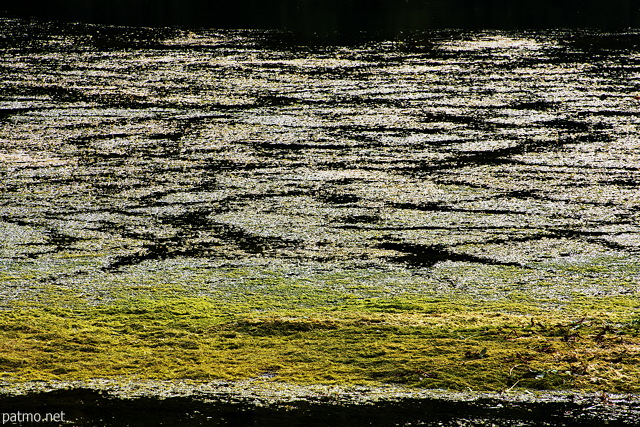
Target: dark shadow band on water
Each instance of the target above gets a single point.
(88, 407)
(339, 16)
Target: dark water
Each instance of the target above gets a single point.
(89, 408)
(342, 16)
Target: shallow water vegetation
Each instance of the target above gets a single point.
(461, 217)
(588, 344)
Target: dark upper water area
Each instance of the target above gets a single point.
(339, 16)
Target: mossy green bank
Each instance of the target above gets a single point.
(587, 343)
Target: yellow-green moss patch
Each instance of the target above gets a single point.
(589, 344)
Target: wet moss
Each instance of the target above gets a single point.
(586, 345)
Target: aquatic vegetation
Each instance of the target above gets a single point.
(220, 205)
(589, 344)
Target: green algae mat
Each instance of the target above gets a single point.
(444, 210)
(588, 345)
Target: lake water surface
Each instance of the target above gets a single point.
(226, 162)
